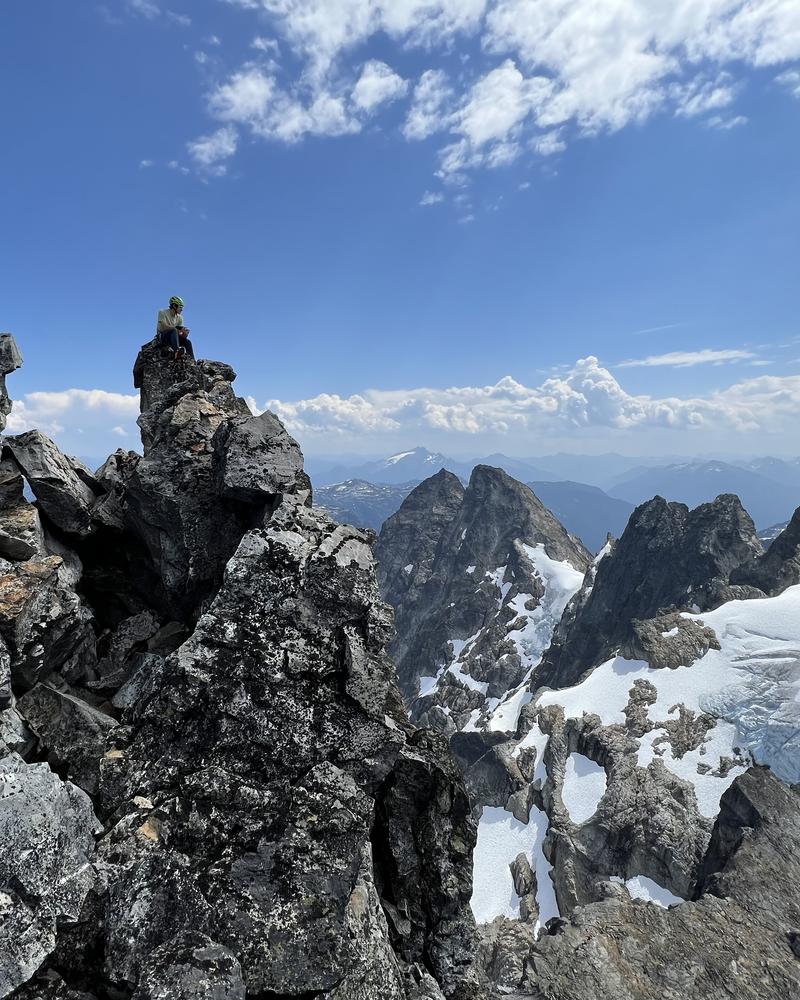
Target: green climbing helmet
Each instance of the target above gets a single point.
(176, 300)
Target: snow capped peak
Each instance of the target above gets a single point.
(394, 459)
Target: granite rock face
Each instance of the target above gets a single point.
(598, 772)
(202, 651)
(668, 558)
(779, 567)
(735, 939)
(478, 578)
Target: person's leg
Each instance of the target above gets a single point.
(185, 342)
(169, 338)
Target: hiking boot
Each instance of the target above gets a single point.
(180, 354)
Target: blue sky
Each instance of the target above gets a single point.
(412, 223)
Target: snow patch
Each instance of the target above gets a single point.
(501, 837)
(583, 787)
(399, 458)
(561, 581)
(606, 550)
(642, 887)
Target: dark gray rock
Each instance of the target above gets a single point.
(72, 732)
(173, 505)
(46, 847)
(669, 641)
(65, 492)
(669, 558)
(735, 940)
(21, 534)
(779, 567)
(45, 625)
(505, 949)
(456, 564)
(15, 736)
(191, 967)
(48, 985)
(280, 787)
(129, 640)
(10, 360)
(257, 458)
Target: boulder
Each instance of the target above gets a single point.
(734, 940)
(258, 459)
(45, 625)
(10, 360)
(47, 829)
(59, 483)
(72, 732)
(669, 641)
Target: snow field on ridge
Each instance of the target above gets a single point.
(501, 837)
(752, 686)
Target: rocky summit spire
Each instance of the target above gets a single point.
(669, 558)
(235, 804)
(479, 578)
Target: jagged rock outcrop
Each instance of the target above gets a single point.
(736, 939)
(668, 641)
(618, 779)
(779, 567)
(47, 832)
(62, 486)
(203, 652)
(478, 578)
(668, 558)
(10, 360)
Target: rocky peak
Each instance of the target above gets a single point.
(475, 605)
(668, 558)
(198, 654)
(408, 544)
(779, 567)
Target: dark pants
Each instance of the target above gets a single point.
(171, 339)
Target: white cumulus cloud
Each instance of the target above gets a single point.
(586, 398)
(377, 84)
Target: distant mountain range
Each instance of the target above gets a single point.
(585, 511)
(362, 504)
(418, 464)
(768, 487)
(767, 500)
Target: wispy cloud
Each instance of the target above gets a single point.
(210, 151)
(790, 79)
(558, 69)
(657, 329)
(689, 359)
(431, 198)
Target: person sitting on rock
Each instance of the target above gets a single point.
(172, 333)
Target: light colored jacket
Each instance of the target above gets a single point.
(168, 320)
